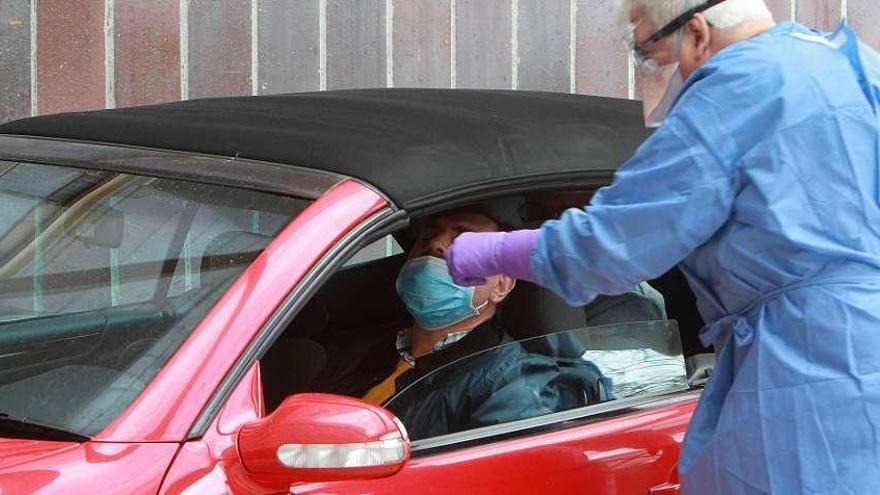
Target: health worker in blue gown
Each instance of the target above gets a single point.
(762, 184)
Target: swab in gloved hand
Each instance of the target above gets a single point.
(475, 256)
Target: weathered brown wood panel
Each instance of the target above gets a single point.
(781, 9)
(544, 42)
(422, 50)
(820, 14)
(483, 48)
(289, 57)
(864, 16)
(219, 48)
(70, 55)
(355, 44)
(15, 52)
(147, 51)
(601, 57)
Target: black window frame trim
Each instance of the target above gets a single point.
(242, 173)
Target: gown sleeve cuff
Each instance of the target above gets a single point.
(516, 252)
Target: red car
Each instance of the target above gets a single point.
(180, 281)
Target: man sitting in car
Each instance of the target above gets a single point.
(451, 322)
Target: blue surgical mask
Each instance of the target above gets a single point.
(430, 295)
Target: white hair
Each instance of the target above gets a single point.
(725, 15)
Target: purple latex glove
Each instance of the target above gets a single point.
(474, 256)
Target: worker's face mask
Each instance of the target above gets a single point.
(659, 92)
(659, 85)
(431, 297)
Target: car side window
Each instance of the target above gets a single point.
(209, 230)
(112, 247)
(543, 375)
(383, 248)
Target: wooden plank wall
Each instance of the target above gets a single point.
(70, 55)
(422, 43)
(146, 58)
(65, 55)
(288, 46)
(15, 52)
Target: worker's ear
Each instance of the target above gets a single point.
(502, 288)
(698, 37)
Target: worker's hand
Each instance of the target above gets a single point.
(475, 256)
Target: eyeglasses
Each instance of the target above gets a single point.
(645, 64)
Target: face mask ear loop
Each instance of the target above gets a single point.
(479, 308)
(679, 39)
(679, 35)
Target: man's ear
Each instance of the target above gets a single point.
(502, 288)
(701, 32)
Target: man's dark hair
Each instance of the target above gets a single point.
(474, 209)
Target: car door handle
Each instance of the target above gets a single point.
(665, 489)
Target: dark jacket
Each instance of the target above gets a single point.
(461, 388)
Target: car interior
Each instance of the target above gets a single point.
(343, 339)
(79, 364)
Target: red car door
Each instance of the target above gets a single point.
(625, 447)
(634, 451)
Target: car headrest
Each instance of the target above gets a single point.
(233, 248)
(531, 311)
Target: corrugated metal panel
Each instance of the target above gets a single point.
(147, 52)
(289, 42)
(544, 41)
(70, 55)
(15, 51)
(355, 44)
(422, 45)
(219, 48)
(483, 43)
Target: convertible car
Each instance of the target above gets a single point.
(195, 296)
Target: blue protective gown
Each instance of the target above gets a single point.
(762, 185)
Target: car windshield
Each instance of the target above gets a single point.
(545, 374)
(102, 277)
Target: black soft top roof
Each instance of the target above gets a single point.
(410, 143)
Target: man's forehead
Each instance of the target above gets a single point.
(465, 218)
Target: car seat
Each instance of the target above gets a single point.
(532, 311)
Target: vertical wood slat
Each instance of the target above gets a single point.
(781, 9)
(147, 51)
(355, 44)
(864, 16)
(483, 44)
(544, 45)
(70, 55)
(422, 50)
(601, 62)
(15, 51)
(288, 46)
(819, 14)
(219, 48)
